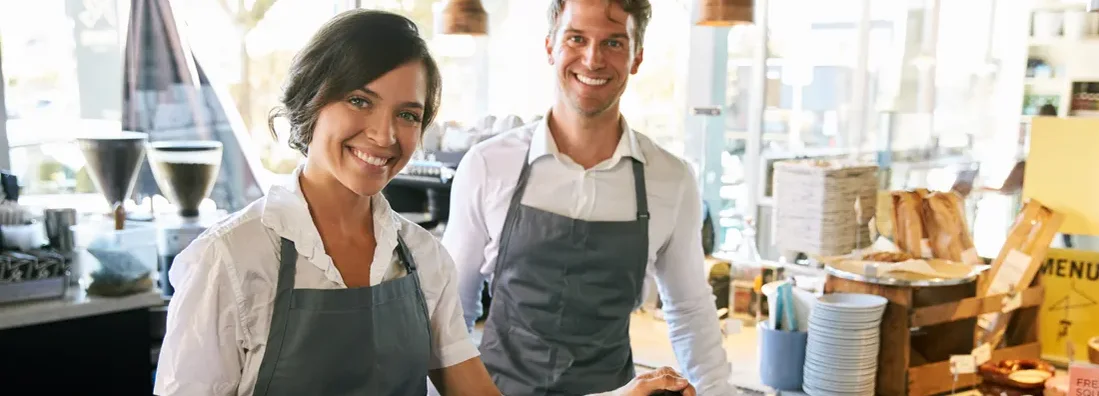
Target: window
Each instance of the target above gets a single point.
(927, 101)
(63, 72)
(522, 83)
(56, 61)
(250, 50)
(506, 73)
(62, 75)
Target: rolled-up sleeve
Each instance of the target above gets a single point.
(466, 234)
(202, 349)
(689, 302)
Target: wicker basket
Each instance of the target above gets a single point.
(815, 205)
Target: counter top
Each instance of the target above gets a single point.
(76, 304)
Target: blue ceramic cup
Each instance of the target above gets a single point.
(782, 356)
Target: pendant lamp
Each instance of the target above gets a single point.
(724, 12)
(464, 17)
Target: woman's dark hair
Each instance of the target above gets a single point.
(347, 53)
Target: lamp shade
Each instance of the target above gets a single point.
(464, 17)
(724, 12)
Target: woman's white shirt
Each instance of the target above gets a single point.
(220, 313)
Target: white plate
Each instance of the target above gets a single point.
(809, 390)
(842, 356)
(850, 353)
(832, 311)
(844, 322)
(839, 382)
(842, 373)
(854, 335)
(815, 335)
(827, 338)
(849, 350)
(847, 353)
(852, 302)
(861, 319)
(833, 361)
(817, 382)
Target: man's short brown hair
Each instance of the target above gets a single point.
(640, 10)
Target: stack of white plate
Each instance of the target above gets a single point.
(841, 356)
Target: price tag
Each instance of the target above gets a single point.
(925, 248)
(1012, 302)
(969, 256)
(982, 354)
(985, 321)
(962, 364)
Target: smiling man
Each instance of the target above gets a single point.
(566, 216)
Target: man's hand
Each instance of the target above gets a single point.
(653, 382)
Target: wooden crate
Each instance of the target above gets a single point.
(918, 364)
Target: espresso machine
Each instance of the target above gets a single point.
(421, 193)
(185, 172)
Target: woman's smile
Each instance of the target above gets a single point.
(373, 163)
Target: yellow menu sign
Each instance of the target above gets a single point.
(1062, 170)
(1070, 311)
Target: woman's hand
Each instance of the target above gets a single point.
(650, 383)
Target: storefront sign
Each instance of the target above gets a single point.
(1070, 311)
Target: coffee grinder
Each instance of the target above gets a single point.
(112, 162)
(185, 171)
(125, 264)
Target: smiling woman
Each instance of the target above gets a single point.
(321, 273)
(369, 105)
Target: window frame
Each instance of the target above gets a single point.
(5, 154)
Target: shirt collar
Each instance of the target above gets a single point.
(286, 213)
(542, 143)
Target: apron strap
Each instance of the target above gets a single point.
(521, 185)
(509, 219)
(639, 189)
(284, 291)
(410, 266)
(405, 255)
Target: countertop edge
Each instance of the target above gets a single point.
(76, 305)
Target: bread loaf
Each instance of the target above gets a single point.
(945, 226)
(907, 223)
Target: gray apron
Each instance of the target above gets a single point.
(563, 290)
(356, 341)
